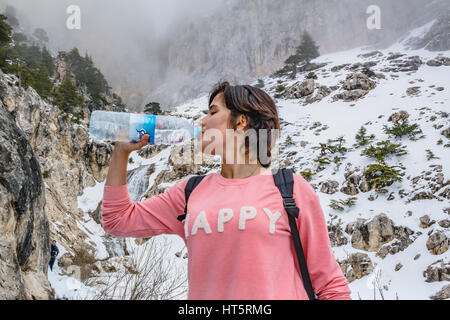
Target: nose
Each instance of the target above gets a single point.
(203, 122)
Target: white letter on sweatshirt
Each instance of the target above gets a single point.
(225, 215)
(201, 222)
(247, 213)
(186, 233)
(273, 219)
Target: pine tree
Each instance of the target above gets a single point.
(41, 82)
(308, 49)
(47, 59)
(66, 96)
(5, 31)
(305, 52)
(153, 108)
(41, 35)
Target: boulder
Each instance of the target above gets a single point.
(437, 271)
(329, 187)
(442, 294)
(356, 266)
(397, 116)
(437, 243)
(300, 89)
(358, 81)
(372, 235)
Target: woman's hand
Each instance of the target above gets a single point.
(128, 147)
(117, 172)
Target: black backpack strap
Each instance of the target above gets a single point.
(190, 186)
(284, 180)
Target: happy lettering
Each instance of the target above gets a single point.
(245, 215)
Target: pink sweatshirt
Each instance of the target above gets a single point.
(237, 236)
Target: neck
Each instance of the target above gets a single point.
(240, 171)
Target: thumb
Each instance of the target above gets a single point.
(142, 143)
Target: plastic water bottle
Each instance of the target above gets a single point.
(130, 127)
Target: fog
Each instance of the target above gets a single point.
(171, 50)
(125, 38)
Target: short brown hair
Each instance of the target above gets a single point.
(256, 105)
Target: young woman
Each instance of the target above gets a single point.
(236, 229)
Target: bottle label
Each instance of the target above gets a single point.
(142, 124)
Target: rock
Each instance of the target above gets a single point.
(370, 54)
(413, 91)
(395, 56)
(364, 186)
(371, 235)
(98, 155)
(425, 221)
(24, 231)
(439, 61)
(423, 195)
(329, 187)
(311, 66)
(339, 67)
(358, 81)
(322, 92)
(350, 95)
(150, 151)
(65, 261)
(437, 243)
(300, 89)
(417, 256)
(336, 235)
(403, 238)
(437, 271)
(437, 38)
(356, 266)
(442, 294)
(444, 223)
(398, 266)
(446, 133)
(406, 65)
(349, 189)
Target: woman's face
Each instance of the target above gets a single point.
(214, 128)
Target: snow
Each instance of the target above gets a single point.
(342, 119)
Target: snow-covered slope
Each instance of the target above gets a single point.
(400, 83)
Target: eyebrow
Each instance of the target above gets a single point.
(212, 106)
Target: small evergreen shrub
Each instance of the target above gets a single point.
(307, 174)
(260, 84)
(289, 141)
(362, 139)
(430, 155)
(380, 175)
(311, 75)
(341, 204)
(402, 128)
(368, 72)
(383, 149)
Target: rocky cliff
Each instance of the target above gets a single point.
(24, 227)
(47, 161)
(251, 38)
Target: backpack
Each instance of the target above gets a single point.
(284, 180)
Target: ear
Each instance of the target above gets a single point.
(242, 122)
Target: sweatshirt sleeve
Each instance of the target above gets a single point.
(151, 217)
(327, 279)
